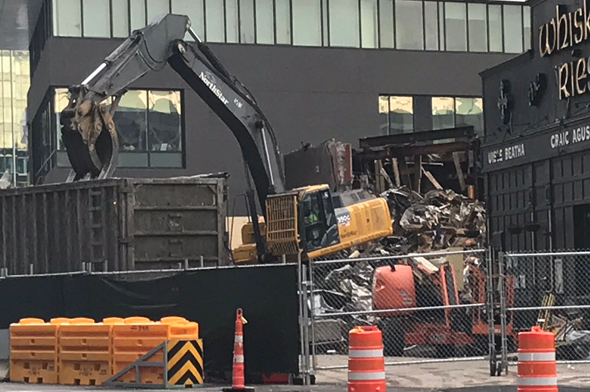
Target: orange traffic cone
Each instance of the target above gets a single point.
(238, 376)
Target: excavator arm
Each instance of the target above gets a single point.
(87, 129)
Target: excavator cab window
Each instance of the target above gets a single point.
(319, 226)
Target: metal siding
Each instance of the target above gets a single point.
(57, 228)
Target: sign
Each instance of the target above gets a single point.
(565, 31)
(536, 147)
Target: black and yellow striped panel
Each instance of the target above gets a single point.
(185, 362)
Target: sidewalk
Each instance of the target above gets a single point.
(446, 375)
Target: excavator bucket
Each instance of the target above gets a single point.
(89, 136)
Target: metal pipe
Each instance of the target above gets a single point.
(401, 257)
(398, 310)
(306, 378)
(585, 253)
(421, 361)
(503, 324)
(93, 74)
(301, 304)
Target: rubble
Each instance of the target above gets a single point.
(438, 220)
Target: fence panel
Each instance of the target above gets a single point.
(431, 307)
(550, 290)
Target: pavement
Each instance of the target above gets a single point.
(463, 376)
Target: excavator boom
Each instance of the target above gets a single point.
(87, 128)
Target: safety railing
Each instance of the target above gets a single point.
(550, 291)
(431, 307)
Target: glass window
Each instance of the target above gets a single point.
(401, 115)
(67, 18)
(194, 9)
(344, 23)
(431, 24)
(265, 31)
(441, 25)
(60, 102)
(164, 121)
(131, 121)
(383, 115)
(526, 20)
(325, 23)
(307, 27)
(369, 18)
(214, 21)
(283, 21)
(138, 17)
(386, 38)
(232, 22)
(247, 34)
(456, 27)
(96, 18)
(513, 28)
(408, 24)
(478, 28)
(156, 9)
(469, 111)
(120, 18)
(443, 113)
(495, 27)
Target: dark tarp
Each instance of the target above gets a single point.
(268, 296)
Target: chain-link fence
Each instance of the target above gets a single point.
(549, 290)
(431, 307)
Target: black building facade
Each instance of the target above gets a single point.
(319, 69)
(536, 154)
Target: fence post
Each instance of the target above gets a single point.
(304, 368)
(501, 289)
(312, 319)
(490, 312)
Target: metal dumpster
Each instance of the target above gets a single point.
(118, 224)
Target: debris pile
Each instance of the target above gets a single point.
(437, 220)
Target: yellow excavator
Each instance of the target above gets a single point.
(310, 221)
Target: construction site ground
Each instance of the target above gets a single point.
(443, 376)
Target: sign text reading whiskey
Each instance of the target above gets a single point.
(565, 30)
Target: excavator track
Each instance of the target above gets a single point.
(90, 137)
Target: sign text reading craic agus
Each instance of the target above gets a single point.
(565, 30)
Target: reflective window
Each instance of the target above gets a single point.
(408, 25)
(386, 31)
(384, 115)
(164, 121)
(512, 28)
(120, 19)
(456, 27)
(526, 22)
(96, 18)
(443, 113)
(401, 115)
(215, 17)
(431, 25)
(283, 21)
(232, 22)
(441, 25)
(195, 10)
(67, 18)
(131, 121)
(307, 27)
(369, 20)
(156, 9)
(469, 111)
(247, 33)
(495, 27)
(138, 16)
(265, 32)
(344, 23)
(478, 28)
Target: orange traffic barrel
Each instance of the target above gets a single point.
(366, 365)
(537, 369)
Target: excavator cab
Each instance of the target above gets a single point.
(299, 221)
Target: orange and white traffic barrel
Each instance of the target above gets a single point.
(366, 365)
(537, 369)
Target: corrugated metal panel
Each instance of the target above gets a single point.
(117, 224)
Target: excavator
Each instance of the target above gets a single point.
(310, 221)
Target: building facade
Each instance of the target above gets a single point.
(14, 84)
(319, 69)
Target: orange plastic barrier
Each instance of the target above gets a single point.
(537, 369)
(366, 365)
(34, 351)
(137, 336)
(84, 352)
